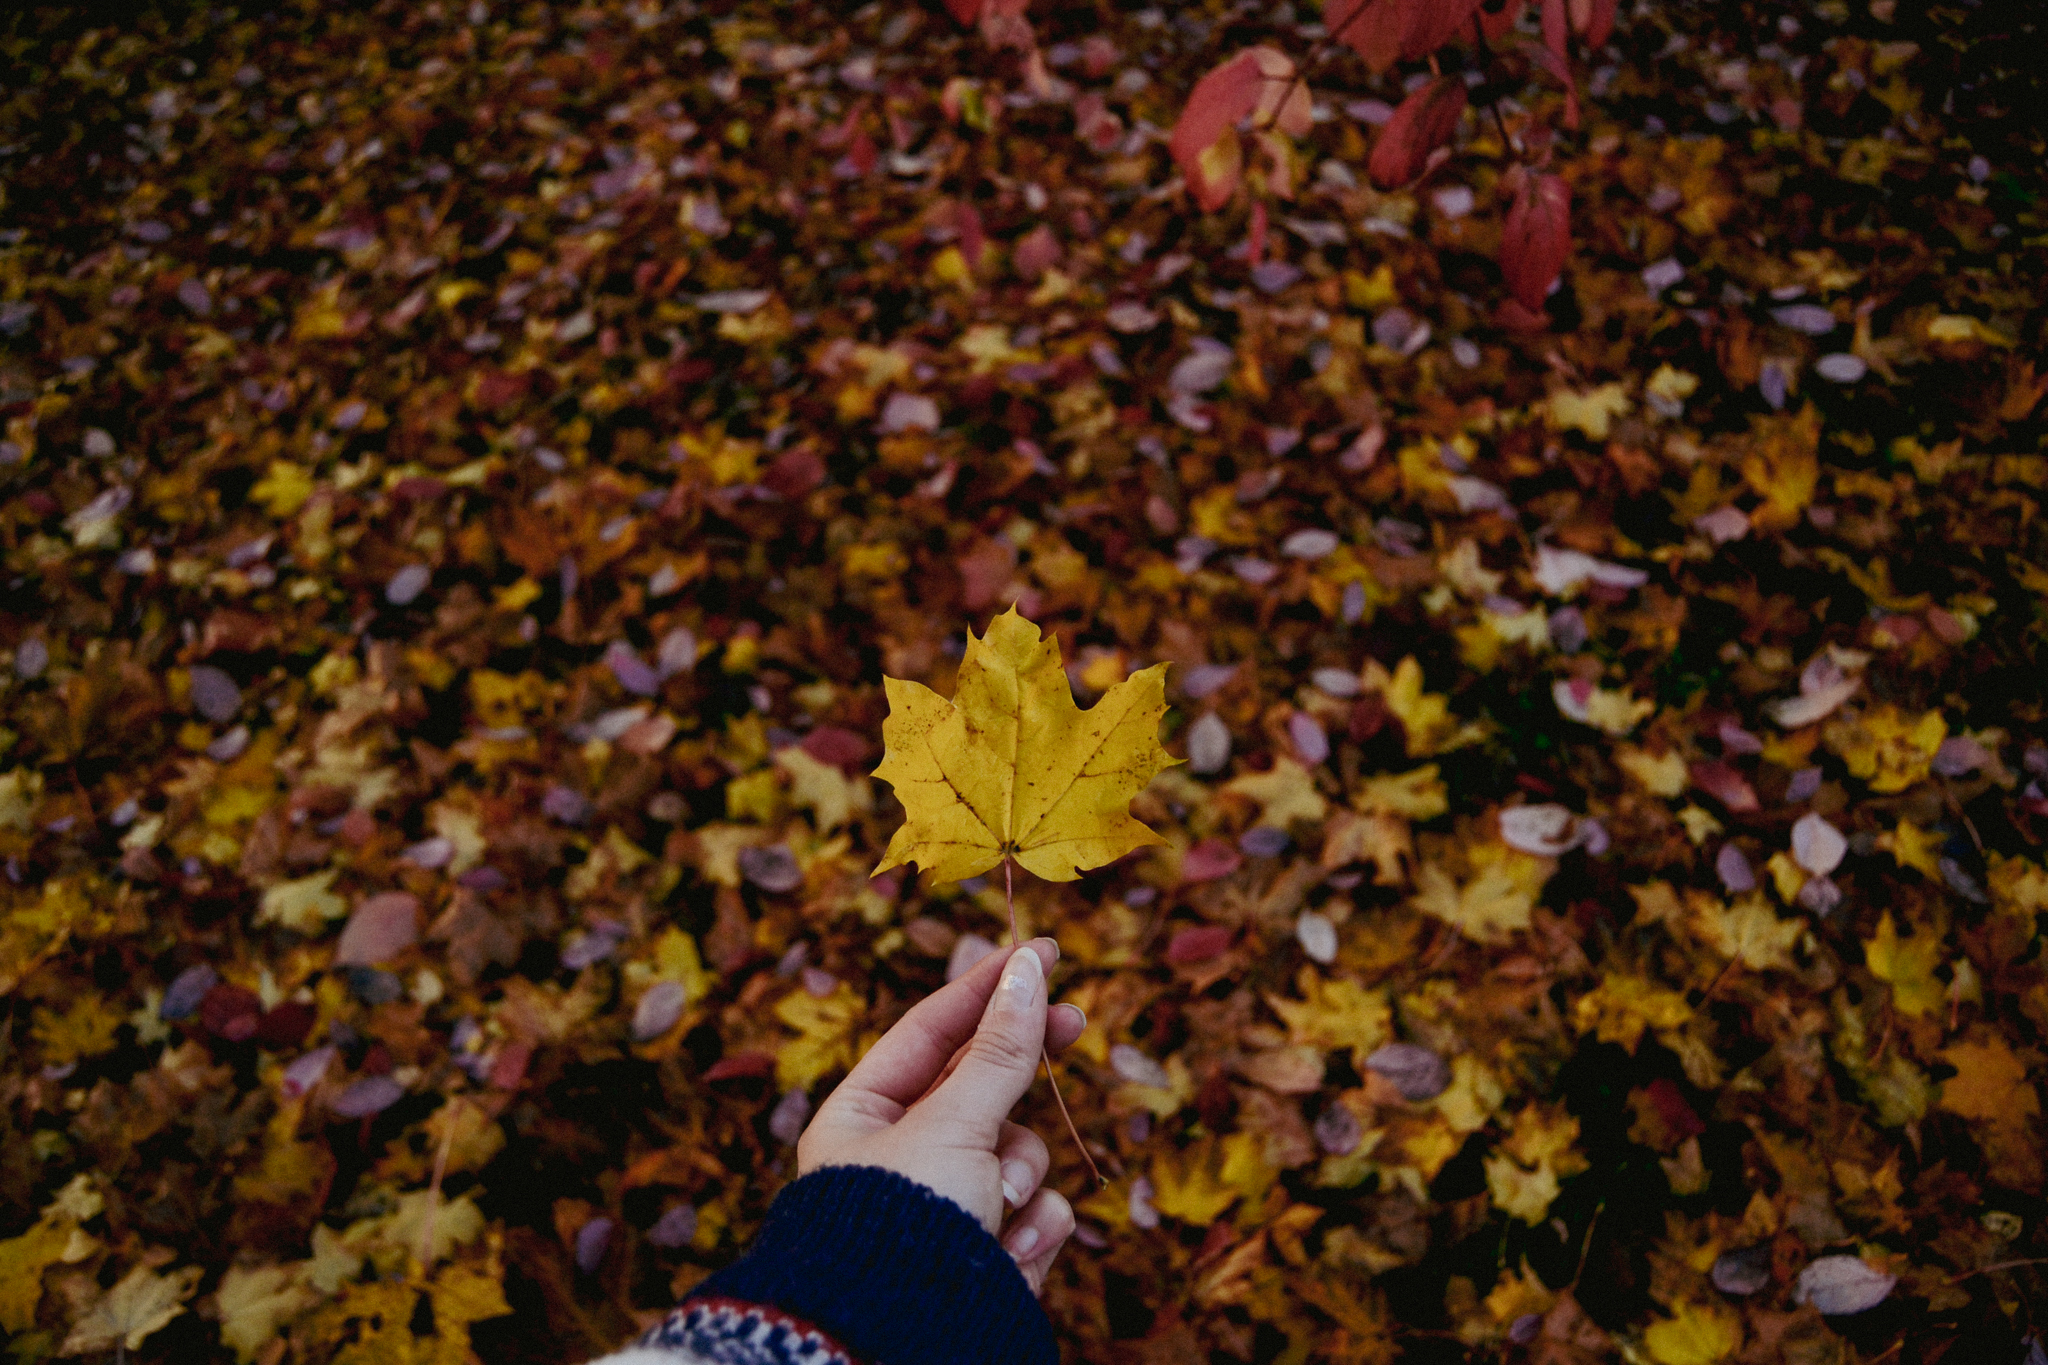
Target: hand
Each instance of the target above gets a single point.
(932, 1099)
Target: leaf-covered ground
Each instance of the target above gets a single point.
(467, 468)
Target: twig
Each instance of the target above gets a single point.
(1507, 144)
(1016, 942)
(1998, 1265)
(1586, 1247)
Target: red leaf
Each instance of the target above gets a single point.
(740, 1064)
(1725, 785)
(1423, 122)
(1536, 238)
(965, 12)
(1599, 22)
(1198, 944)
(1374, 29)
(1434, 24)
(1256, 83)
(1554, 26)
(1255, 239)
(1208, 860)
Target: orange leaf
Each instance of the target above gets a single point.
(1536, 239)
(1424, 122)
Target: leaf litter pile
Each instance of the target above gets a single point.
(467, 468)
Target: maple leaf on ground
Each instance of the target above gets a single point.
(1012, 768)
(128, 1313)
(1907, 966)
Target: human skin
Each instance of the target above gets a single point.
(932, 1100)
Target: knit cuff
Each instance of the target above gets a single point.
(894, 1270)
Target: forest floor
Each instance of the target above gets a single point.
(468, 467)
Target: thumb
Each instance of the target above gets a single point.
(1003, 1055)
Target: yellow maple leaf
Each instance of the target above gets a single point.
(1590, 412)
(1285, 793)
(1520, 1191)
(1907, 965)
(132, 1310)
(1783, 466)
(2018, 887)
(1886, 747)
(23, 1260)
(1419, 794)
(1189, 1184)
(1748, 930)
(829, 794)
(1334, 1013)
(284, 489)
(1620, 1008)
(824, 1040)
(1425, 716)
(1990, 1084)
(373, 1323)
(1010, 767)
(303, 905)
(84, 1029)
(1495, 901)
(1698, 1334)
(1914, 847)
(254, 1302)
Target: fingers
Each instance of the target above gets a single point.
(1024, 1160)
(912, 1055)
(1001, 1059)
(1063, 1026)
(1037, 1233)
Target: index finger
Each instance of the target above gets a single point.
(910, 1056)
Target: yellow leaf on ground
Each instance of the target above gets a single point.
(1011, 767)
(23, 1260)
(824, 1040)
(1590, 412)
(1285, 793)
(1990, 1084)
(1495, 901)
(1907, 965)
(1517, 1190)
(1914, 847)
(284, 489)
(1749, 931)
(1699, 1334)
(825, 791)
(1425, 716)
(127, 1314)
(1419, 794)
(1189, 1186)
(254, 1303)
(1334, 1013)
(378, 1323)
(1886, 747)
(84, 1029)
(1620, 1008)
(303, 905)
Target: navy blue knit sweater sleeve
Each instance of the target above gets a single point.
(863, 1263)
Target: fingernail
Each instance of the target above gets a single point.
(1054, 944)
(1016, 1177)
(1078, 1010)
(1022, 1242)
(1023, 977)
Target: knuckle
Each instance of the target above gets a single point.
(1003, 1050)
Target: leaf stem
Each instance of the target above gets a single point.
(1016, 942)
